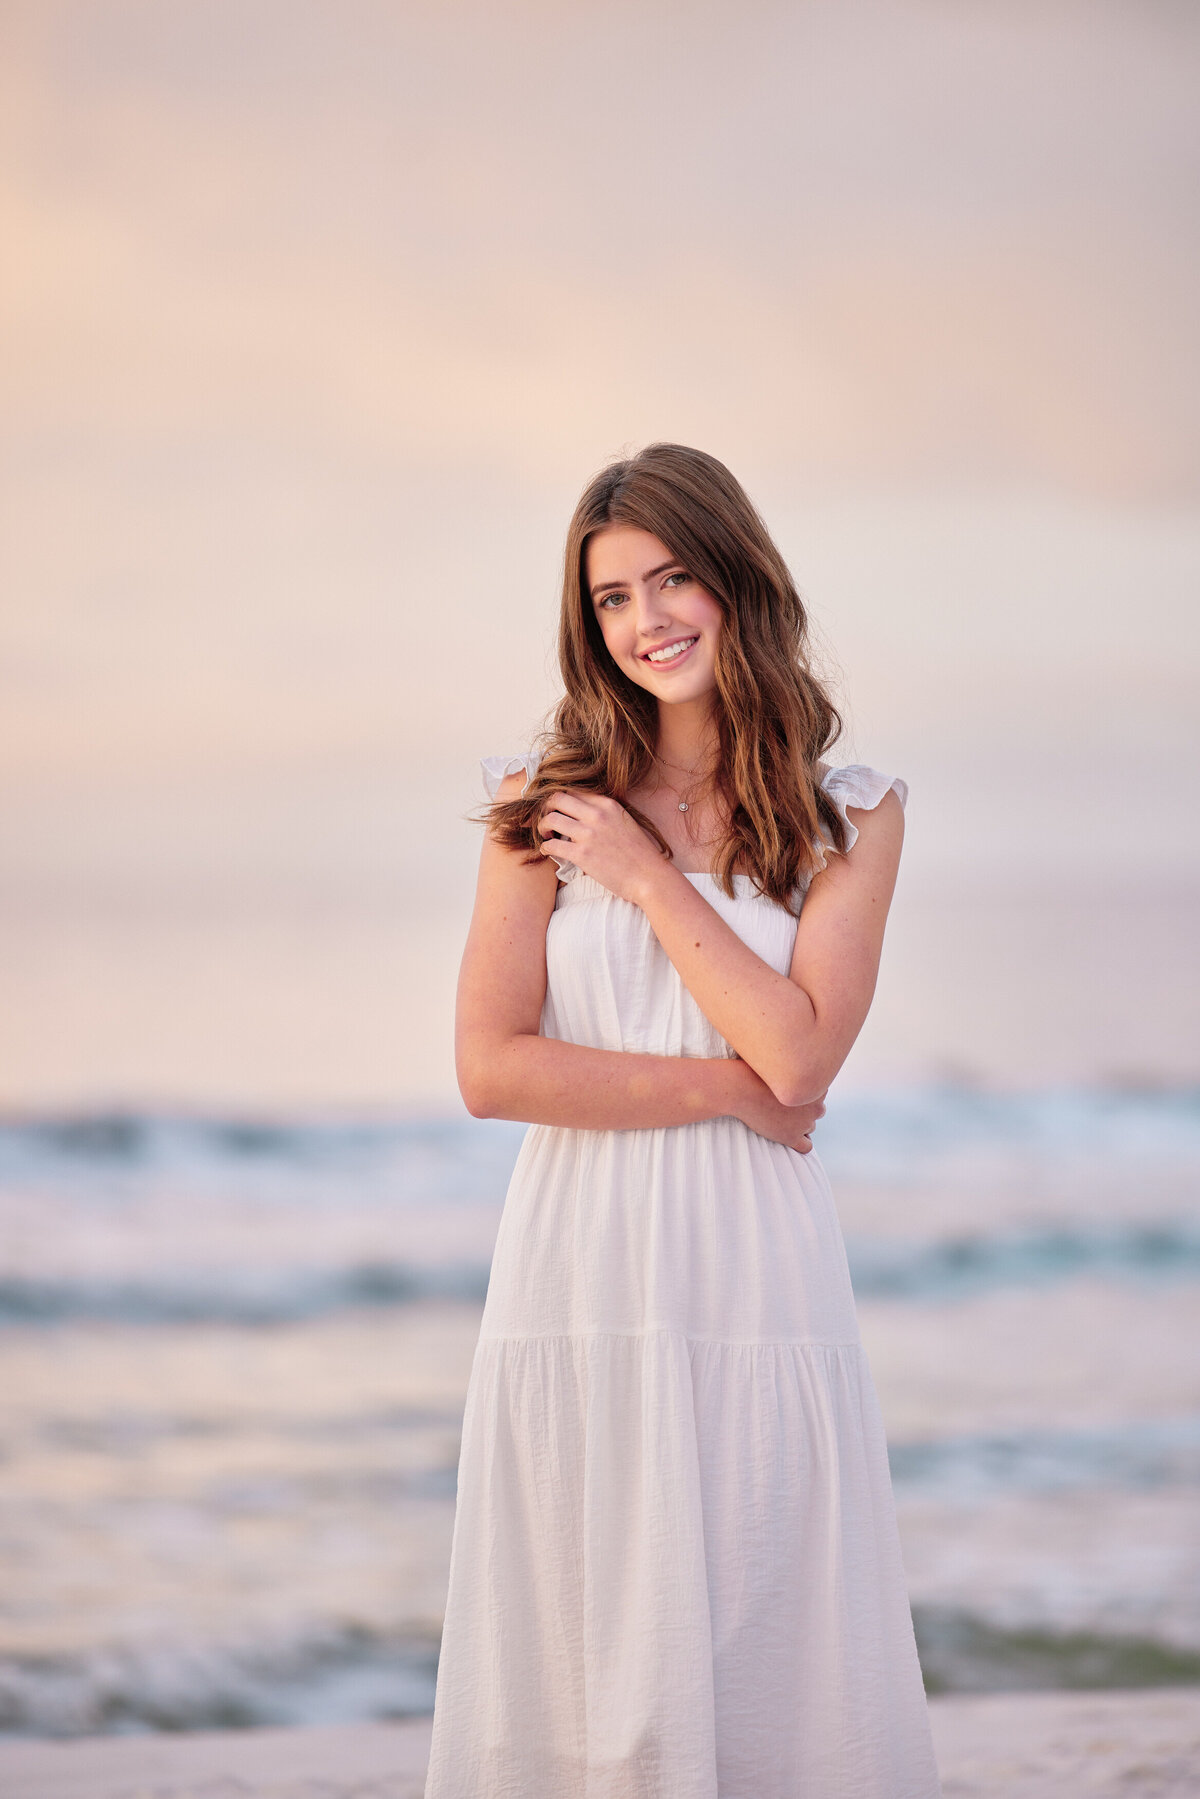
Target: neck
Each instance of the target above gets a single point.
(687, 736)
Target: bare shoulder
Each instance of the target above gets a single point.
(509, 874)
(502, 980)
(872, 861)
(878, 826)
(512, 786)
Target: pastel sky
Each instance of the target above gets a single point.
(317, 318)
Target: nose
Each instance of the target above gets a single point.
(652, 613)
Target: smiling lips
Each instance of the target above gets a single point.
(663, 655)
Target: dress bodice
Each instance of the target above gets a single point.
(609, 982)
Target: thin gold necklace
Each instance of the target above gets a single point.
(684, 805)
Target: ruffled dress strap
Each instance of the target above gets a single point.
(858, 786)
(494, 770)
(496, 767)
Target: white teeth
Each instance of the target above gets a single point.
(672, 650)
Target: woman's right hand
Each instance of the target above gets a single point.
(760, 1111)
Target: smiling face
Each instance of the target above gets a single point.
(659, 625)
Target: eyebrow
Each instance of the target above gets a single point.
(608, 586)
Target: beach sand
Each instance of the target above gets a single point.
(1139, 1745)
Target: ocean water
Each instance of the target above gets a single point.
(234, 1350)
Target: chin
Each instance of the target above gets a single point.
(685, 694)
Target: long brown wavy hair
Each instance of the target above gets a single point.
(774, 717)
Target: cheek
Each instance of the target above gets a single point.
(710, 617)
(616, 633)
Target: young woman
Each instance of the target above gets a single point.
(675, 1571)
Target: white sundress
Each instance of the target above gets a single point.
(675, 1570)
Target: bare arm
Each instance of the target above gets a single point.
(506, 1070)
(794, 1030)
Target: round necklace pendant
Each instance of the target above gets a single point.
(683, 805)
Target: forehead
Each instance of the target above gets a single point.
(622, 553)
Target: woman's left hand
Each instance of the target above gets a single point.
(602, 839)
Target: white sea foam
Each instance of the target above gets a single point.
(233, 1355)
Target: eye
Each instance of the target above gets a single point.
(679, 577)
(620, 598)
